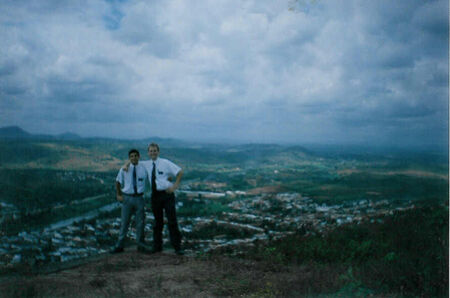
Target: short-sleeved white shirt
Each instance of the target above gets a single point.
(164, 169)
(125, 178)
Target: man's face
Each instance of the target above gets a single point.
(134, 158)
(153, 152)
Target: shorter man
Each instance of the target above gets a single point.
(130, 192)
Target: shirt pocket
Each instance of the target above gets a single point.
(141, 181)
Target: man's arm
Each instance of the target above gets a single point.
(176, 184)
(119, 196)
(126, 166)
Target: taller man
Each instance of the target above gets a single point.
(161, 172)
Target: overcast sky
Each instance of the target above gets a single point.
(305, 71)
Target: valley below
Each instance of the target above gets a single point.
(269, 205)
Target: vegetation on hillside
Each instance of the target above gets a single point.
(407, 255)
(32, 188)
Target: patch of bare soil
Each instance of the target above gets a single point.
(416, 173)
(132, 274)
(346, 172)
(265, 189)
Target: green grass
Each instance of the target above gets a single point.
(202, 207)
(374, 187)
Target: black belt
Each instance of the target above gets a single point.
(135, 194)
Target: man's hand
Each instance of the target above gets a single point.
(176, 184)
(119, 198)
(170, 189)
(126, 166)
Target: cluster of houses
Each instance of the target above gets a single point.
(269, 217)
(252, 218)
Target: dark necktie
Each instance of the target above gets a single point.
(134, 180)
(154, 178)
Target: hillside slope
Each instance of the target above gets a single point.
(133, 274)
(405, 255)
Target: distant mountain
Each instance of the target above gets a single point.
(167, 141)
(68, 136)
(298, 148)
(13, 132)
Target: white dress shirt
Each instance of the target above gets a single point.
(126, 179)
(164, 169)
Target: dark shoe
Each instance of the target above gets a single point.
(179, 252)
(144, 249)
(116, 250)
(156, 250)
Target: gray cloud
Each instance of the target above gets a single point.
(288, 71)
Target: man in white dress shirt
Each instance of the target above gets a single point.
(130, 192)
(161, 172)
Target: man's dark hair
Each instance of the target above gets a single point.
(133, 151)
(153, 145)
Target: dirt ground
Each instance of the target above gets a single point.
(133, 274)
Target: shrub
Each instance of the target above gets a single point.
(406, 254)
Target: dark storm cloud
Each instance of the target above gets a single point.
(12, 90)
(8, 68)
(138, 26)
(288, 71)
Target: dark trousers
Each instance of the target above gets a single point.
(162, 201)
